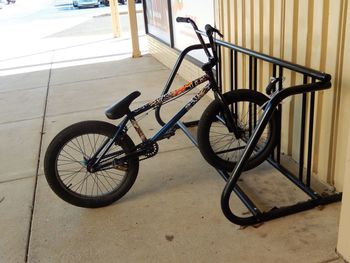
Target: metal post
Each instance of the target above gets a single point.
(133, 30)
(115, 18)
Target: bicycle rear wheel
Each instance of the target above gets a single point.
(65, 165)
(221, 148)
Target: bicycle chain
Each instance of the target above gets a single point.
(150, 148)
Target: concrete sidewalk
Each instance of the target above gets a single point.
(172, 214)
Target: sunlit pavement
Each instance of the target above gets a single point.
(31, 32)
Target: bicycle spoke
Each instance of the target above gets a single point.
(101, 174)
(71, 178)
(90, 143)
(81, 147)
(81, 182)
(225, 144)
(72, 161)
(98, 179)
(107, 175)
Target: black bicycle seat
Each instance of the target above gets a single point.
(119, 109)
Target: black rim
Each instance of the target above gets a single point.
(224, 143)
(71, 169)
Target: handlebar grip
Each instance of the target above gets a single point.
(182, 19)
(208, 28)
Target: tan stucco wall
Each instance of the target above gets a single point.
(344, 225)
(310, 33)
(344, 146)
(313, 33)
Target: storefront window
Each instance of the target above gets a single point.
(158, 19)
(202, 12)
(178, 35)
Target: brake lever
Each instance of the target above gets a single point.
(272, 84)
(210, 30)
(218, 32)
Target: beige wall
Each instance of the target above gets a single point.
(344, 225)
(310, 33)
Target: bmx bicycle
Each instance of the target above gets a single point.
(94, 163)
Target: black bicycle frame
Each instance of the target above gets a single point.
(100, 154)
(97, 160)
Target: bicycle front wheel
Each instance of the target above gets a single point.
(65, 165)
(220, 147)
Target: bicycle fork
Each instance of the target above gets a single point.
(230, 122)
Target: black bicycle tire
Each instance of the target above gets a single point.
(212, 110)
(70, 133)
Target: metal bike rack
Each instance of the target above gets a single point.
(312, 81)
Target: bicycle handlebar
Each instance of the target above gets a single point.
(183, 19)
(209, 30)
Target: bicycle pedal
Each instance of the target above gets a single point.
(121, 167)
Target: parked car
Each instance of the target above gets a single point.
(105, 2)
(86, 3)
(122, 2)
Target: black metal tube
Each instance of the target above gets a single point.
(235, 69)
(231, 69)
(300, 89)
(241, 195)
(217, 64)
(306, 189)
(299, 207)
(187, 132)
(238, 191)
(172, 77)
(310, 142)
(235, 73)
(255, 87)
(270, 107)
(232, 181)
(219, 53)
(274, 73)
(144, 5)
(250, 78)
(285, 64)
(171, 27)
(274, 152)
(280, 87)
(302, 134)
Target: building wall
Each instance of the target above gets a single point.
(344, 225)
(310, 33)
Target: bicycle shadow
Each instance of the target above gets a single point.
(174, 172)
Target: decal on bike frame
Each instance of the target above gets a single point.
(171, 95)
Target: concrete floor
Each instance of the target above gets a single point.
(172, 214)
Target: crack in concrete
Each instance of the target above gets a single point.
(16, 179)
(38, 162)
